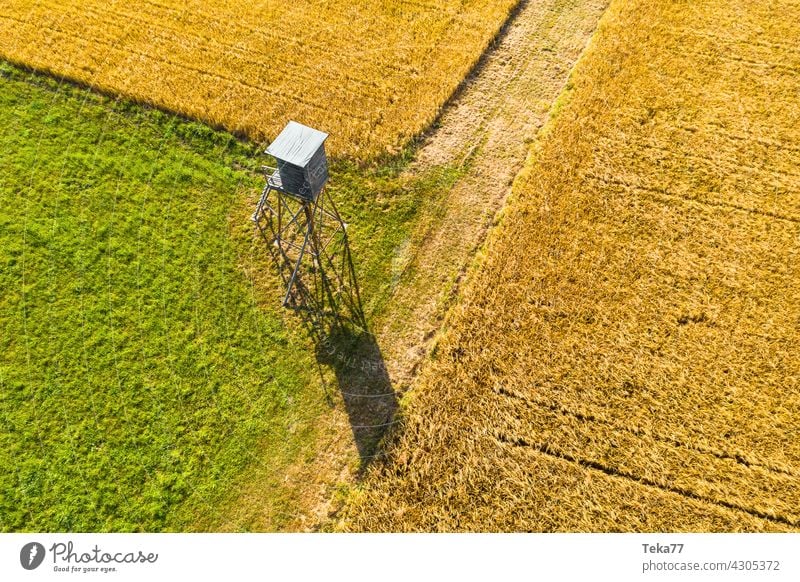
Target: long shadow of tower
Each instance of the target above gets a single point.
(307, 239)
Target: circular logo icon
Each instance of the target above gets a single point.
(31, 555)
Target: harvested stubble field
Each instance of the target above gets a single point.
(625, 355)
(371, 73)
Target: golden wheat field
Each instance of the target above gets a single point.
(371, 73)
(625, 356)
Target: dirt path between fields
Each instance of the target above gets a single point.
(489, 126)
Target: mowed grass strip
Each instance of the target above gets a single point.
(136, 373)
(625, 357)
(372, 73)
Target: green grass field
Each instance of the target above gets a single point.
(141, 375)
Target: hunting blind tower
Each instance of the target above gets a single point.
(300, 222)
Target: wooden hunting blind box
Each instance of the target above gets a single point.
(302, 165)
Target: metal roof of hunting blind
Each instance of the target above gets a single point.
(297, 144)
